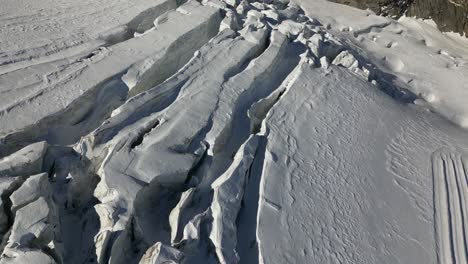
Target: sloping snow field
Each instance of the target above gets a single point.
(227, 131)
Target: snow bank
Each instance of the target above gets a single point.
(418, 56)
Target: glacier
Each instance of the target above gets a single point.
(230, 131)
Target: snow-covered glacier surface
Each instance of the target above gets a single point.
(171, 131)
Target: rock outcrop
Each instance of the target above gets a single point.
(450, 15)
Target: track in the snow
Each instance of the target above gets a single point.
(450, 175)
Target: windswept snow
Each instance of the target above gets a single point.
(418, 57)
(65, 101)
(355, 169)
(36, 32)
(229, 132)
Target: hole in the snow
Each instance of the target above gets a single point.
(140, 138)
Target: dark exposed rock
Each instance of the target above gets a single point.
(380, 7)
(450, 15)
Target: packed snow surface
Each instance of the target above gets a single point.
(229, 131)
